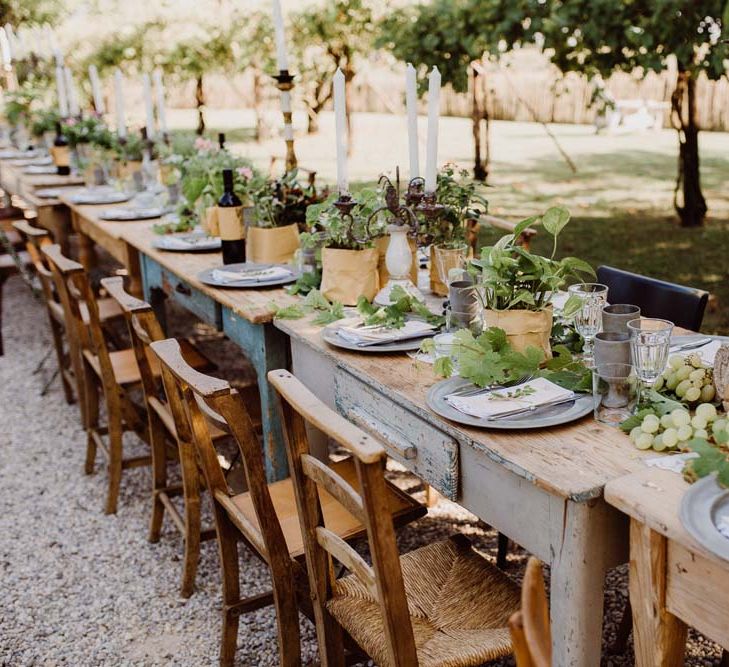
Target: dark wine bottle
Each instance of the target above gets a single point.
(230, 222)
(221, 140)
(61, 153)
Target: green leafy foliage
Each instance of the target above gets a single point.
(308, 281)
(284, 201)
(314, 302)
(514, 278)
(394, 315)
(711, 459)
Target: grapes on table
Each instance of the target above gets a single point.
(688, 379)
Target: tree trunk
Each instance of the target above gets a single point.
(200, 104)
(480, 171)
(691, 205)
(312, 124)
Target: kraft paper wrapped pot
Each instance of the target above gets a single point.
(272, 245)
(349, 274)
(524, 328)
(210, 221)
(381, 245)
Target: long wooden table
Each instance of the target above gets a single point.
(543, 489)
(52, 214)
(674, 581)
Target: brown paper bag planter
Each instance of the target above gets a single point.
(129, 168)
(210, 221)
(272, 245)
(524, 328)
(349, 274)
(381, 245)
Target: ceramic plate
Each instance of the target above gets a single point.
(553, 415)
(187, 243)
(99, 197)
(48, 193)
(45, 170)
(701, 506)
(127, 214)
(329, 334)
(207, 277)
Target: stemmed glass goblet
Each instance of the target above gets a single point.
(588, 319)
(650, 343)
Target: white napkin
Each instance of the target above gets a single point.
(359, 334)
(186, 242)
(722, 525)
(707, 352)
(672, 462)
(490, 405)
(250, 275)
(123, 213)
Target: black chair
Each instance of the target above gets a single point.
(684, 306)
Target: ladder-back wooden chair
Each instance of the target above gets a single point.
(112, 372)
(442, 605)
(144, 328)
(35, 239)
(264, 517)
(530, 629)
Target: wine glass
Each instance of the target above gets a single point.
(650, 343)
(588, 320)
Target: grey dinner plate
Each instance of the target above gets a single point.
(124, 214)
(701, 506)
(689, 338)
(545, 417)
(207, 277)
(199, 243)
(48, 193)
(45, 170)
(329, 334)
(94, 198)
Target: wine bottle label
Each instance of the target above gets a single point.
(230, 222)
(61, 156)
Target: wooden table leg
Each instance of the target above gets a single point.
(577, 582)
(57, 221)
(267, 348)
(659, 636)
(134, 272)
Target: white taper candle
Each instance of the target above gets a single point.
(159, 89)
(411, 102)
(73, 108)
(340, 122)
(121, 124)
(148, 106)
(278, 24)
(431, 157)
(61, 90)
(5, 48)
(96, 90)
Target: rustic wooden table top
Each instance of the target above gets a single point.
(574, 461)
(653, 497)
(255, 305)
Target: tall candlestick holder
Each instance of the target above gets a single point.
(399, 255)
(285, 83)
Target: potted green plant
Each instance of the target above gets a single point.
(279, 211)
(445, 232)
(18, 111)
(516, 286)
(43, 125)
(349, 257)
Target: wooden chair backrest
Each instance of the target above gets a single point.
(196, 399)
(384, 579)
(530, 629)
(144, 328)
(75, 291)
(35, 239)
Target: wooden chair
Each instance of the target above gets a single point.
(530, 629)
(114, 373)
(264, 517)
(442, 605)
(684, 306)
(12, 259)
(35, 239)
(143, 330)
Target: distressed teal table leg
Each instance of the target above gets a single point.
(153, 293)
(267, 348)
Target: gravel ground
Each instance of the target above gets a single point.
(83, 589)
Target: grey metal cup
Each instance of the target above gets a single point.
(462, 296)
(612, 348)
(616, 316)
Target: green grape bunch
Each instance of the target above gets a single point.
(674, 430)
(687, 379)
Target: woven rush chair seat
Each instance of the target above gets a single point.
(459, 607)
(283, 497)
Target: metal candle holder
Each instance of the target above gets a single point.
(285, 83)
